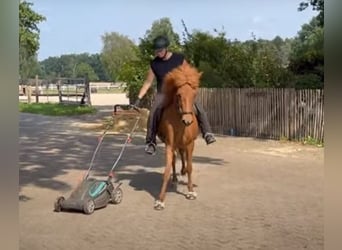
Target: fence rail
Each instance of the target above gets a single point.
(63, 90)
(265, 113)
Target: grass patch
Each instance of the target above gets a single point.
(312, 141)
(55, 109)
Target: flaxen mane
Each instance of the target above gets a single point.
(184, 74)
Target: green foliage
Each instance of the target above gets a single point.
(30, 67)
(307, 55)
(55, 109)
(268, 64)
(308, 45)
(312, 141)
(317, 5)
(84, 69)
(297, 62)
(228, 63)
(308, 81)
(94, 61)
(211, 55)
(163, 26)
(134, 71)
(28, 29)
(28, 38)
(68, 66)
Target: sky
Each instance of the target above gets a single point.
(77, 26)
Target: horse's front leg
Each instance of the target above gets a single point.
(174, 174)
(159, 204)
(182, 155)
(189, 151)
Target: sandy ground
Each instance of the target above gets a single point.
(252, 194)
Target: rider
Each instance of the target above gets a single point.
(163, 63)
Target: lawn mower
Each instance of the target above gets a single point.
(92, 193)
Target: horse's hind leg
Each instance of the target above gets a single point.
(159, 204)
(174, 174)
(191, 195)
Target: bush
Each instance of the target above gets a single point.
(308, 81)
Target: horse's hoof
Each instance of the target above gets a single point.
(158, 205)
(191, 195)
(174, 181)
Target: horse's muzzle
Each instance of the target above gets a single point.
(187, 118)
(187, 122)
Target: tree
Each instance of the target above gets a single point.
(85, 70)
(94, 61)
(133, 72)
(28, 37)
(317, 5)
(282, 49)
(30, 68)
(205, 52)
(117, 50)
(224, 63)
(269, 62)
(307, 55)
(163, 26)
(52, 67)
(66, 65)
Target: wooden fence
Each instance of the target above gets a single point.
(62, 90)
(265, 113)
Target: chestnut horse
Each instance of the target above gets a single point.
(178, 127)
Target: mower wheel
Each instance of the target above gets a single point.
(89, 207)
(117, 196)
(58, 206)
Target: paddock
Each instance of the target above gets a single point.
(252, 193)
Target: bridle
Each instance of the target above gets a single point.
(187, 113)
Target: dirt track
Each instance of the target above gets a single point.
(252, 194)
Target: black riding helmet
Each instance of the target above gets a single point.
(160, 42)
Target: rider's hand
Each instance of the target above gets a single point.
(137, 103)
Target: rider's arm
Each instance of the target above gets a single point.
(147, 83)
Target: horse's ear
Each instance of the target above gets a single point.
(200, 74)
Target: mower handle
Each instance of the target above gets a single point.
(125, 107)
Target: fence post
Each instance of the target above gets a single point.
(29, 91)
(37, 94)
(87, 89)
(59, 90)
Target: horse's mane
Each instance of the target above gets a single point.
(184, 74)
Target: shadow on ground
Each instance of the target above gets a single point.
(50, 148)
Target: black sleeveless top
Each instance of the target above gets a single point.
(161, 67)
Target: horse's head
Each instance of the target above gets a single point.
(181, 87)
(185, 97)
